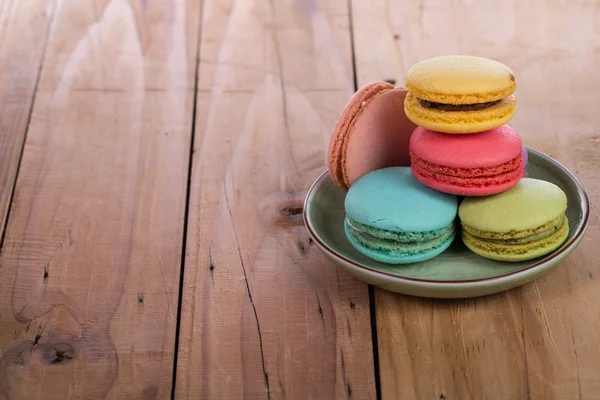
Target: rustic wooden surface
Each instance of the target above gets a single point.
(140, 114)
(264, 314)
(535, 342)
(90, 268)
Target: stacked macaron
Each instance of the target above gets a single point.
(462, 145)
(404, 155)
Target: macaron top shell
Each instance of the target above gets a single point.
(484, 149)
(529, 204)
(392, 199)
(459, 79)
(372, 132)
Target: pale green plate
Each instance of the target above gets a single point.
(457, 272)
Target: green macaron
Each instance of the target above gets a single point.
(522, 223)
(393, 218)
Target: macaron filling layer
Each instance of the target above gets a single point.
(531, 238)
(399, 236)
(469, 177)
(518, 237)
(511, 235)
(460, 98)
(457, 107)
(509, 166)
(534, 247)
(395, 243)
(498, 110)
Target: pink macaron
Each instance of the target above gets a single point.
(478, 164)
(372, 132)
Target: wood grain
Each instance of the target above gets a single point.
(24, 26)
(265, 315)
(89, 273)
(536, 342)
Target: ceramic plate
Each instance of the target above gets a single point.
(457, 272)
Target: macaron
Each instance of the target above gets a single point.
(460, 94)
(372, 132)
(392, 218)
(525, 222)
(479, 164)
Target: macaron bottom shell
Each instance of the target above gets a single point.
(390, 251)
(512, 252)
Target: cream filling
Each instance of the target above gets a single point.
(530, 238)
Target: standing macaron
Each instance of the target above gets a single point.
(372, 132)
(479, 164)
(460, 94)
(394, 219)
(525, 222)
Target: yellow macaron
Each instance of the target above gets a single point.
(460, 94)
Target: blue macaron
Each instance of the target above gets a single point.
(393, 218)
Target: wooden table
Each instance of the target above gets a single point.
(154, 156)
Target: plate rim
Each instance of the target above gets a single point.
(573, 241)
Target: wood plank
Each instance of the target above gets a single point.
(24, 28)
(265, 315)
(89, 275)
(539, 341)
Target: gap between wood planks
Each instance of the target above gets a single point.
(186, 212)
(4, 221)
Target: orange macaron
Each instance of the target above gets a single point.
(372, 132)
